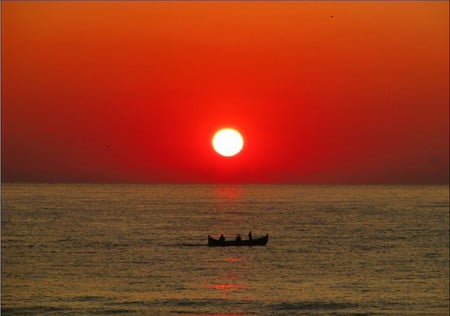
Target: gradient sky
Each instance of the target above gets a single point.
(325, 92)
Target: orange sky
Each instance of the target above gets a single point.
(134, 91)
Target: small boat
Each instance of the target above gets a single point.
(262, 241)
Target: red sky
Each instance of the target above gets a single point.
(325, 92)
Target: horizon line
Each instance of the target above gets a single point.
(226, 183)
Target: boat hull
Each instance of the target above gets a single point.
(254, 242)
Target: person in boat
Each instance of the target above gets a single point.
(250, 236)
(238, 238)
(222, 238)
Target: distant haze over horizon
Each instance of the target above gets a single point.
(133, 92)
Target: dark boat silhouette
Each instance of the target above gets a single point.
(262, 241)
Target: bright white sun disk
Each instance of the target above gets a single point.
(227, 142)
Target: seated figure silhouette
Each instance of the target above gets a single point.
(222, 238)
(238, 238)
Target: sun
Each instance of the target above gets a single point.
(227, 142)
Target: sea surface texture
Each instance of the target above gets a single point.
(142, 249)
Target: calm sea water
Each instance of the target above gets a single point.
(124, 249)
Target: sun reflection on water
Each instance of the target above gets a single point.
(227, 193)
(231, 277)
(232, 259)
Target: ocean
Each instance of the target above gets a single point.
(100, 249)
